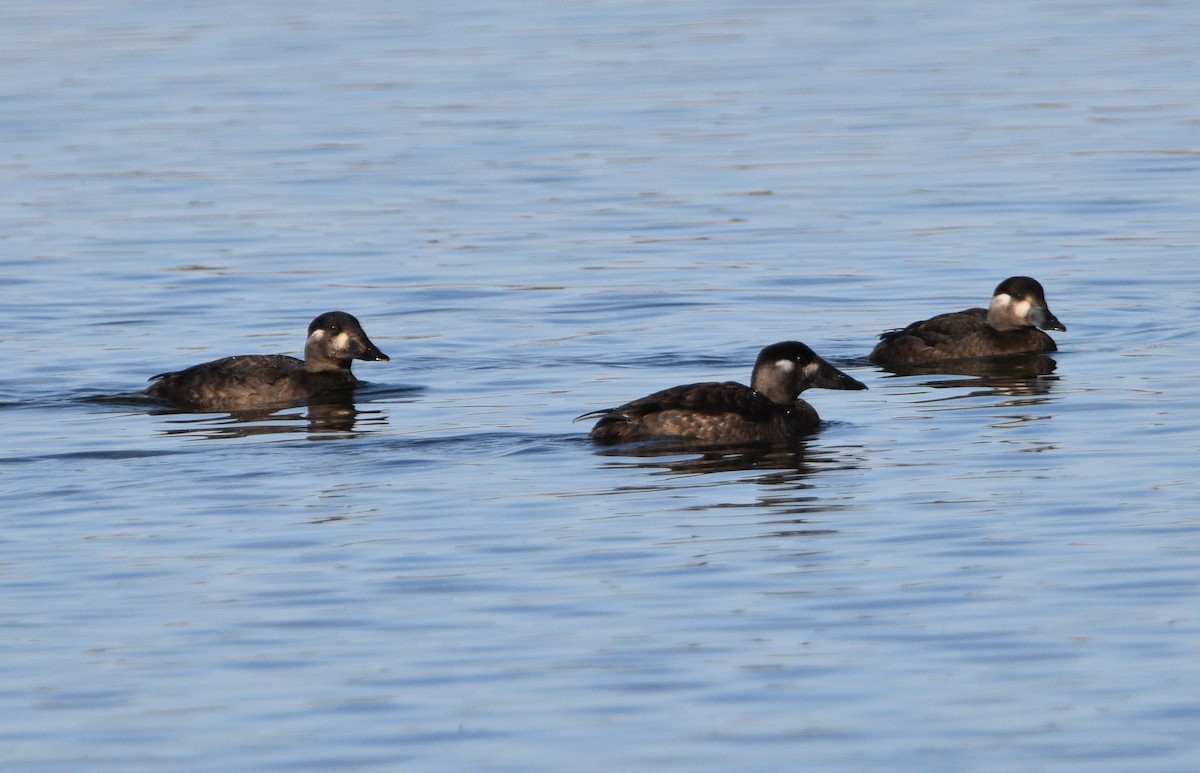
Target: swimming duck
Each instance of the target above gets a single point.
(254, 380)
(767, 411)
(1008, 326)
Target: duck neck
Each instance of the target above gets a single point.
(1001, 314)
(316, 361)
(774, 389)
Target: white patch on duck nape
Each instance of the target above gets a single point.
(340, 341)
(1004, 309)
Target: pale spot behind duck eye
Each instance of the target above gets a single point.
(1009, 313)
(317, 334)
(1000, 307)
(785, 365)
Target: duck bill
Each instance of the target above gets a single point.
(370, 352)
(1041, 317)
(829, 377)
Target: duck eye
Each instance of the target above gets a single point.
(335, 328)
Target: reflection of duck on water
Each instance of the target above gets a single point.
(257, 380)
(1008, 326)
(767, 411)
(1016, 375)
(678, 455)
(327, 415)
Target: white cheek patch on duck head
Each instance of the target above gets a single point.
(337, 342)
(810, 370)
(1007, 313)
(1001, 303)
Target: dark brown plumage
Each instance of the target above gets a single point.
(1008, 326)
(729, 412)
(255, 380)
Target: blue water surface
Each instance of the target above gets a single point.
(543, 209)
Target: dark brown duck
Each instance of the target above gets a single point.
(255, 380)
(1009, 325)
(767, 411)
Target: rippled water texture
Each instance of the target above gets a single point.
(540, 210)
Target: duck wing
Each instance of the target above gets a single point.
(257, 368)
(943, 329)
(709, 398)
(717, 412)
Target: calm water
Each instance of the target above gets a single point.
(538, 211)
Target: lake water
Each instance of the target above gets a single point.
(538, 210)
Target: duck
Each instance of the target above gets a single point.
(1008, 326)
(767, 411)
(249, 381)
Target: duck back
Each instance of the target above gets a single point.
(724, 412)
(958, 335)
(246, 381)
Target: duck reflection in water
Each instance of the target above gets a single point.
(1018, 375)
(778, 478)
(779, 463)
(329, 416)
